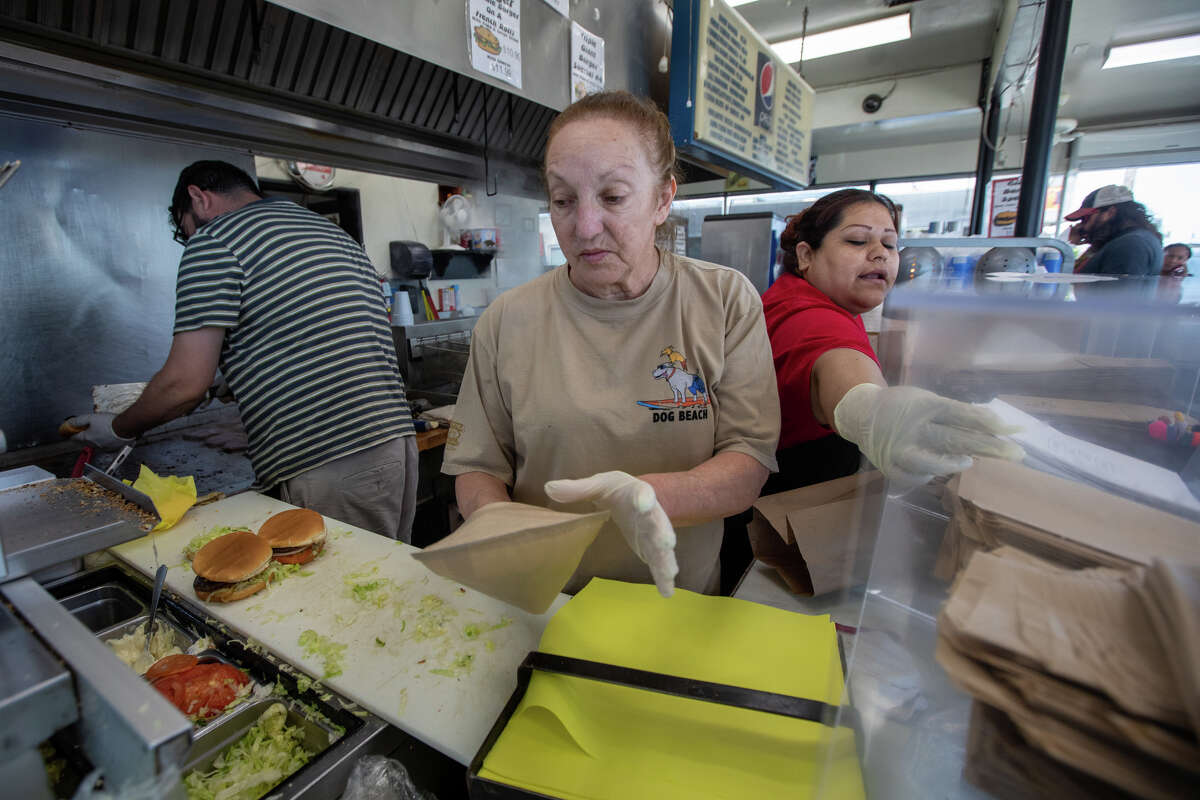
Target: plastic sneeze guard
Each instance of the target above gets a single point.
(572, 737)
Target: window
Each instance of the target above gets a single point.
(941, 207)
(1170, 193)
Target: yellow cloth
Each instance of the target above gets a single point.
(577, 738)
(172, 495)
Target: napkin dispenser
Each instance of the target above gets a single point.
(410, 260)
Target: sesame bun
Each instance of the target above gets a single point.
(231, 558)
(297, 527)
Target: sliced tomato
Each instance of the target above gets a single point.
(300, 557)
(169, 665)
(204, 687)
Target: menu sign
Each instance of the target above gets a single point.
(587, 62)
(1006, 194)
(494, 38)
(748, 103)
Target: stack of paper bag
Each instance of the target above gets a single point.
(999, 503)
(819, 538)
(999, 761)
(1097, 669)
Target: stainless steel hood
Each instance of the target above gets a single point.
(357, 102)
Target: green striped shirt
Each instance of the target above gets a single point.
(308, 348)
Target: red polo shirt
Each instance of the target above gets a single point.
(803, 325)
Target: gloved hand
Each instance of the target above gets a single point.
(635, 509)
(98, 431)
(911, 434)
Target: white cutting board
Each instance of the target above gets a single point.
(422, 622)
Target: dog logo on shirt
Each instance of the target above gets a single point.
(689, 395)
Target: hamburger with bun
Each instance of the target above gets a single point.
(296, 536)
(231, 567)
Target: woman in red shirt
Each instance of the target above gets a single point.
(840, 259)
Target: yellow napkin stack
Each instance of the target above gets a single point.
(172, 495)
(577, 738)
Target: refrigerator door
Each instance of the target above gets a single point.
(747, 242)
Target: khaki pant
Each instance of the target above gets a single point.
(373, 489)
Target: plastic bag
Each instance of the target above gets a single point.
(382, 778)
(165, 786)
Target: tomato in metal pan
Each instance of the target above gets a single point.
(204, 689)
(169, 665)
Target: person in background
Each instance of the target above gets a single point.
(1075, 237)
(1175, 260)
(288, 306)
(840, 260)
(626, 361)
(1123, 239)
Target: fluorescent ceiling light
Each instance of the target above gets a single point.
(1126, 55)
(735, 3)
(843, 40)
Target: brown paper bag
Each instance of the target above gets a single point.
(517, 553)
(814, 536)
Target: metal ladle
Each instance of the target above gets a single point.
(159, 578)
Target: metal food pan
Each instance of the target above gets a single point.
(102, 607)
(182, 639)
(352, 731)
(221, 734)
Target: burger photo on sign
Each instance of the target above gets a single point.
(486, 40)
(296, 536)
(231, 567)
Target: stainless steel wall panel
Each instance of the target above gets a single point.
(633, 33)
(88, 268)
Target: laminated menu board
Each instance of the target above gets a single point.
(734, 103)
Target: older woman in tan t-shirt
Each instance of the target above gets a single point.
(626, 361)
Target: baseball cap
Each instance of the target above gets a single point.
(1099, 198)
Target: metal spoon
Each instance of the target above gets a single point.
(211, 655)
(159, 578)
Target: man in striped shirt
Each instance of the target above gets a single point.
(288, 306)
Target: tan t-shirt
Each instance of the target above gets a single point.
(563, 385)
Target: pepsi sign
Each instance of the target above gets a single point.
(764, 97)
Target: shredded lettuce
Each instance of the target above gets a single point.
(374, 592)
(460, 666)
(266, 755)
(433, 615)
(200, 645)
(330, 652)
(191, 548)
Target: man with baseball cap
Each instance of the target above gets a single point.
(1123, 239)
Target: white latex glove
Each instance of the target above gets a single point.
(99, 433)
(635, 509)
(911, 434)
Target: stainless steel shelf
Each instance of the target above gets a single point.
(50, 522)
